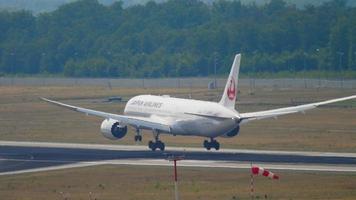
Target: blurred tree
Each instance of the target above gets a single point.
(178, 38)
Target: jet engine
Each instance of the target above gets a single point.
(232, 133)
(112, 129)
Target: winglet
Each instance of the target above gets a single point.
(228, 98)
(59, 104)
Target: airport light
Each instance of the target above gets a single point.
(317, 51)
(215, 63)
(175, 158)
(304, 60)
(341, 54)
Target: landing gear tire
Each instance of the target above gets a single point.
(152, 145)
(207, 144)
(216, 145)
(156, 145)
(212, 144)
(160, 145)
(138, 138)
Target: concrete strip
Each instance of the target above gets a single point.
(235, 165)
(191, 149)
(185, 163)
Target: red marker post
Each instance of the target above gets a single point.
(175, 158)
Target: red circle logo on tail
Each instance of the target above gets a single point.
(231, 90)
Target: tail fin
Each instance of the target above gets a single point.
(228, 98)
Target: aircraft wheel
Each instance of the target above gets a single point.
(206, 144)
(161, 145)
(152, 145)
(138, 138)
(216, 145)
(212, 144)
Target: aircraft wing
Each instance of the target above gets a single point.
(245, 117)
(144, 122)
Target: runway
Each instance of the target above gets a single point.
(24, 157)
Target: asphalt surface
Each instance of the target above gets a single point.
(17, 158)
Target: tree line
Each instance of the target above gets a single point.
(178, 38)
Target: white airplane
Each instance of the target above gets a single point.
(187, 117)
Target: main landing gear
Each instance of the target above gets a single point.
(157, 144)
(212, 144)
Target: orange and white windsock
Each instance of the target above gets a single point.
(261, 171)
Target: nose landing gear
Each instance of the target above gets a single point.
(212, 144)
(138, 136)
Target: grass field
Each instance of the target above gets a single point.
(24, 117)
(129, 183)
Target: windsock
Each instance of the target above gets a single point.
(261, 171)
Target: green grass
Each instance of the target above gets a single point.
(141, 182)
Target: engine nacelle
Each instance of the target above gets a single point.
(232, 133)
(112, 129)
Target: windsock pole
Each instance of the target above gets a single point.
(252, 189)
(175, 180)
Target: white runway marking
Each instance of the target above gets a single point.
(190, 149)
(43, 169)
(184, 163)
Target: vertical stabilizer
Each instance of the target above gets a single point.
(229, 96)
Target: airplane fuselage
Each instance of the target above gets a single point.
(185, 116)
